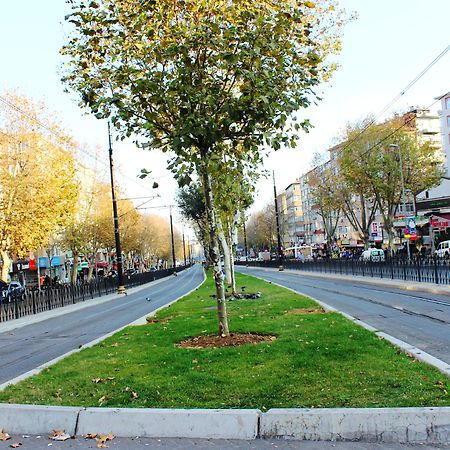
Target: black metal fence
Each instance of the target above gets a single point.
(36, 301)
(428, 270)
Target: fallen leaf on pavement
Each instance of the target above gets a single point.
(102, 438)
(4, 436)
(59, 435)
(16, 445)
(91, 435)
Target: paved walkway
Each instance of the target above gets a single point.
(80, 443)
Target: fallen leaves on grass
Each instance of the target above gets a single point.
(102, 400)
(306, 311)
(101, 380)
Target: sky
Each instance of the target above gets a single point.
(383, 50)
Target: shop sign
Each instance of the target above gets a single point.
(43, 262)
(439, 222)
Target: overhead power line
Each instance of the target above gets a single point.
(394, 100)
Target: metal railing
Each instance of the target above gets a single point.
(36, 301)
(427, 270)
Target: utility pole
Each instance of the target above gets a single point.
(173, 243)
(184, 250)
(120, 282)
(280, 251)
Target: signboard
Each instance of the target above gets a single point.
(411, 223)
(439, 222)
(43, 262)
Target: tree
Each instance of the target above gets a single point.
(192, 206)
(261, 228)
(322, 182)
(193, 75)
(370, 163)
(33, 205)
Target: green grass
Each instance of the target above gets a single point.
(317, 360)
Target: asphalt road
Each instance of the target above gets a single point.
(417, 317)
(25, 348)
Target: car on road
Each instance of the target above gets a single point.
(443, 250)
(373, 254)
(11, 291)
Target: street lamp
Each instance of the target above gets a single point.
(120, 281)
(280, 251)
(403, 193)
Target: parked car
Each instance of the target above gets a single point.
(443, 250)
(373, 254)
(11, 291)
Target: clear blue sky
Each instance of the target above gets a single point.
(389, 44)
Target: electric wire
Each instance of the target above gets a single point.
(392, 102)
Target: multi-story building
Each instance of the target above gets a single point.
(435, 203)
(291, 215)
(425, 127)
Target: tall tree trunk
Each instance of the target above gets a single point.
(226, 252)
(214, 249)
(74, 272)
(6, 264)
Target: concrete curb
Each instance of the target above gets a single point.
(393, 425)
(387, 425)
(171, 423)
(38, 419)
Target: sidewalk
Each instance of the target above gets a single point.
(138, 443)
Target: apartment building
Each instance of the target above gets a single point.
(426, 127)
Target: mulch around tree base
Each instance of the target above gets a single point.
(233, 340)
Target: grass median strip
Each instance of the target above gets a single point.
(306, 358)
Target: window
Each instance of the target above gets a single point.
(448, 121)
(447, 103)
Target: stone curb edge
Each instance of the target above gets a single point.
(387, 425)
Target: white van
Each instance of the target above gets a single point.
(373, 254)
(443, 250)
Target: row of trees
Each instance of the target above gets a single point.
(47, 199)
(364, 176)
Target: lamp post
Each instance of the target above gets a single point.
(402, 183)
(280, 251)
(120, 282)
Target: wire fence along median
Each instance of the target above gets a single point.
(427, 270)
(36, 301)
